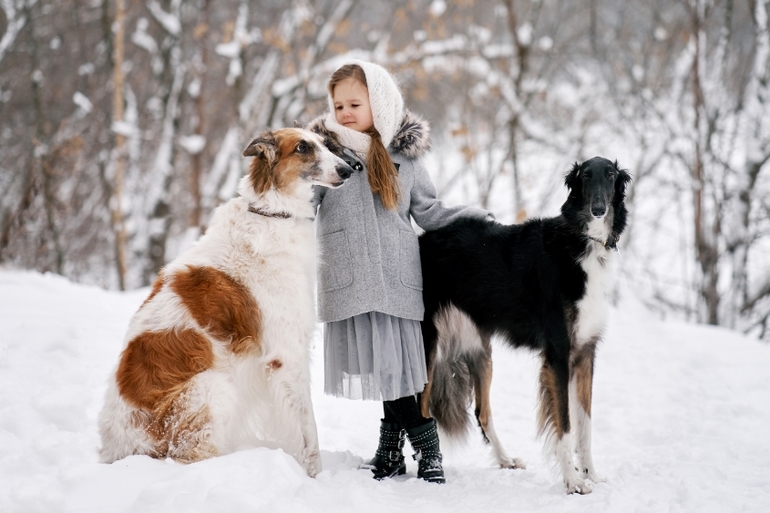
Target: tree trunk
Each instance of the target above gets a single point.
(705, 243)
(119, 152)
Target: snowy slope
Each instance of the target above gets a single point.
(681, 418)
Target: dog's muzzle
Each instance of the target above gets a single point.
(344, 170)
(598, 211)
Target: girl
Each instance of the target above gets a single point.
(370, 280)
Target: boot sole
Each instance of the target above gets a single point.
(400, 471)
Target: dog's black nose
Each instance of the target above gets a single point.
(344, 171)
(598, 210)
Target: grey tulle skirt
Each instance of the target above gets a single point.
(374, 356)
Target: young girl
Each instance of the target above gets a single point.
(370, 279)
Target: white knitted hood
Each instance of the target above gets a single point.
(387, 109)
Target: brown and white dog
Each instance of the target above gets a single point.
(217, 357)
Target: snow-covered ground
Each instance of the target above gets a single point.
(681, 423)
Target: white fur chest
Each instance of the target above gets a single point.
(592, 308)
(274, 258)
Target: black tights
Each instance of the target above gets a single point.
(405, 411)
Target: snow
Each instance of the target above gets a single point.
(192, 144)
(142, 39)
(680, 425)
(82, 102)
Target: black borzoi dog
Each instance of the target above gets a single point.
(541, 285)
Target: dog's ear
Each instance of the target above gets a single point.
(623, 177)
(266, 153)
(572, 180)
(618, 204)
(264, 146)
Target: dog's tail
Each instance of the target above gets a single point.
(457, 367)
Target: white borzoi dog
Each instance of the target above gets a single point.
(541, 285)
(217, 357)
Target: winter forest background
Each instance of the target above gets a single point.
(122, 123)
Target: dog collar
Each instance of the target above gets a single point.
(606, 243)
(277, 215)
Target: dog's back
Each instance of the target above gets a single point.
(484, 268)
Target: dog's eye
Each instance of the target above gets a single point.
(302, 147)
(610, 174)
(586, 175)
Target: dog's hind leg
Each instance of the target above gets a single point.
(554, 419)
(481, 371)
(430, 340)
(424, 396)
(580, 389)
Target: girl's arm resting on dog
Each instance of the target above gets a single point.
(428, 211)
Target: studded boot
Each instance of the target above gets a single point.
(388, 460)
(424, 440)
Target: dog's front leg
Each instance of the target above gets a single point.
(311, 453)
(554, 419)
(291, 388)
(581, 394)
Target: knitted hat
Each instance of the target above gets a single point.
(387, 109)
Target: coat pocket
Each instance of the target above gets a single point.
(335, 270)
(409, 255)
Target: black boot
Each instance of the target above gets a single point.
(424, 440)
(388, 461)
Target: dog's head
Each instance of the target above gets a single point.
(331, 141)
(285, 157)
(598, 189)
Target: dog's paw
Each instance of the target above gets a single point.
(313, 469)
(590, 474)
(516, 463)
(312, 463)
(577, 485)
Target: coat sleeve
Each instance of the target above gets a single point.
(318, 196)
(428, 211)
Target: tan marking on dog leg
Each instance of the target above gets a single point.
(425, 395)
(482, 385)
(583, 371)
(549, 420)
(221, 306)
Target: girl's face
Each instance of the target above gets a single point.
(351, 105)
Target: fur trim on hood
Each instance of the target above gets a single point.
(412, 139)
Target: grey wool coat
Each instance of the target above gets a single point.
(369, 255)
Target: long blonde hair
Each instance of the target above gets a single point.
(383, 175)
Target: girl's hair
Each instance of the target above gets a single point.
(383, 176)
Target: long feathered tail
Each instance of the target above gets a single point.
(456, 367)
